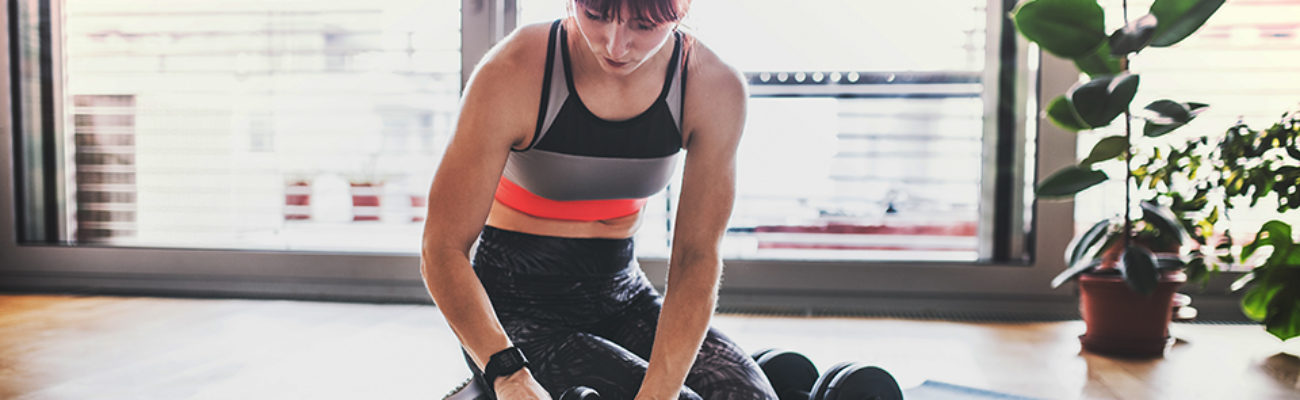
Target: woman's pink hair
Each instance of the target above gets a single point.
(655, 11)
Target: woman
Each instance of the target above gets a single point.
(553, 195)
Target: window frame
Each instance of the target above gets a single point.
(1003, 287)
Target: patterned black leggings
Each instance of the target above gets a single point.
(585, 315)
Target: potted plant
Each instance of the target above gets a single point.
(1274, 295)
(1128, 268)
(1204, 178)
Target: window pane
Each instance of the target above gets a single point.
(268, 124)
(1241, 62)
(865, 129)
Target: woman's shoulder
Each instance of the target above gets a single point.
(527, 42)
(507, 83)
(711, 76)
(716, 93)
(521, 54)
(708, 72)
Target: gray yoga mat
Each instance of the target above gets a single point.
(934, 390)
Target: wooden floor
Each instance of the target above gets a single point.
(75, 347)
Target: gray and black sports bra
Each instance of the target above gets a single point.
(576, 156)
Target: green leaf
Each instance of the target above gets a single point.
(1087, 259)
(1276, 234)
(1079, 246)
(1070, 273)
(1172, 110)
(1068, 181)
(1099, 62)
(1280, 233)
(1090, 100)
(1101, 99)
(1198, 201)
(1170, 263)
(1122, 91)
(1139, 269)
(1105, 149)
(1255, 303)
(1066, 28)
(1164, 221)
(1178, 19)
(1170, 115)
(1197, 271)
(1133, 37)
(1283, 319)
(1152, 129)
(1060, 111)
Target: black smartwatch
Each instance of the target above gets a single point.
(503, 363)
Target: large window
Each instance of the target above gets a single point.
(257, 125)
(280, 125)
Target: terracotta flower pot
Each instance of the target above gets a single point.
(1122, 322)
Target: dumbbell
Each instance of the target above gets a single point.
(472, 390)
(795, 377)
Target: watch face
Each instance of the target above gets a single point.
(513, 358)
(504, 363)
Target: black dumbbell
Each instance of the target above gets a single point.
(794, 377)
(854, 381)
(471, 389)
(791, 374)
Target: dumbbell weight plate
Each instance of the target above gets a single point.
(792, 375)
(863, 382)
(823, 385)
(468, 390)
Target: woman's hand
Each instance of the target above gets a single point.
(520, 386)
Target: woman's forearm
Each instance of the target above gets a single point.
(464, 303)
(689, 302)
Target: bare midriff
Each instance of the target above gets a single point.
(504, 217)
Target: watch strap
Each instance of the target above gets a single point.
(503, 363)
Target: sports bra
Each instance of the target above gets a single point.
(580, 167)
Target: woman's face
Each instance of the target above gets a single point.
(620, 46)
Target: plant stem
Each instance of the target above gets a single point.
(1128, 150)
(1128, 176)
(1124, 7)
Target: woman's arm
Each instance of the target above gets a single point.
(715, 117)
(496, 113)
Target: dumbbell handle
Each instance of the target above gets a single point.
(579, 393)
